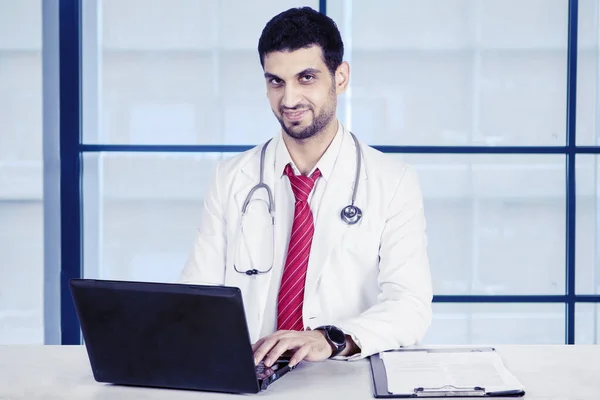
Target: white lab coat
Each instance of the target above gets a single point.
(371, 279)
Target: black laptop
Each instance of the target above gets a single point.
(170, 336)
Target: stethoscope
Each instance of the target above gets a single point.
(350, 214)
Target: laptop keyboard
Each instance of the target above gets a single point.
(260, 367)
(262, 371)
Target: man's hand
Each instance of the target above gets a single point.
(304, 345)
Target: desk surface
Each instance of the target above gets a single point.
(63, 372)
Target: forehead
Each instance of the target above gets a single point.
(288, 63)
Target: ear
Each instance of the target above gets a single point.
(342, 77)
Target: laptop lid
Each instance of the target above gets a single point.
(166, 335)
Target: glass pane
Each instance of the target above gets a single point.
(179, 72)
(496, 324)
(588, 130)
(21, 173)
(456, 72)
(496, 223)
(587, 233)
(141, 212)
(587, 323)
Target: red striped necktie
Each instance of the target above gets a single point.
(291, 291)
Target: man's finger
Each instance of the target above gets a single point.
(256, 345)
(300, 355)
(282, 346)
(267, 344)
(274, 336)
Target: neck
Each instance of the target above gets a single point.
(307, 152)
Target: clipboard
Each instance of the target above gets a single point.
(380, 381)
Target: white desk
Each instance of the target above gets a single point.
(63, 372)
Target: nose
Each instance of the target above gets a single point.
(291, 96)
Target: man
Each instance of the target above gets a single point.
(336, 285)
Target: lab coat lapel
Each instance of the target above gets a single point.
(329, 228)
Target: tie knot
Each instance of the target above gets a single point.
(301, 185)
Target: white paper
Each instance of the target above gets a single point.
(410, 369)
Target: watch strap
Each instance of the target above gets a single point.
(331, 334)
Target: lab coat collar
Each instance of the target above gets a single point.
(341, 153)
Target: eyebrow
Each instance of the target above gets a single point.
(307, 71)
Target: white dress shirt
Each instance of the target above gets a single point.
(284, 198)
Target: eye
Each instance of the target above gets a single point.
(275, 81)
(307, 78)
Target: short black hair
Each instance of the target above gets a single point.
(299, 28)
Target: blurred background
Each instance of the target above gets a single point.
(473, 93)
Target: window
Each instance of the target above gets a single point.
(456, 72)
(496, 222)
(141, 224)
(588, 132)
(588, 224)
(484, 103)
(472, 76)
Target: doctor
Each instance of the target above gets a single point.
(324, 236)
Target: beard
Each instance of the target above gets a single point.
(319, 122)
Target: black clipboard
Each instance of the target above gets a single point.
(380, 384)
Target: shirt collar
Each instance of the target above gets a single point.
(325, 163)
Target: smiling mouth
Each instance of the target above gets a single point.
(295, 115)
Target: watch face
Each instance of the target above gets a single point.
(336, 336)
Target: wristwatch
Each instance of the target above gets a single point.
(336, 338)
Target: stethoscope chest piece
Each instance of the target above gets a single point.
(351, 214)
